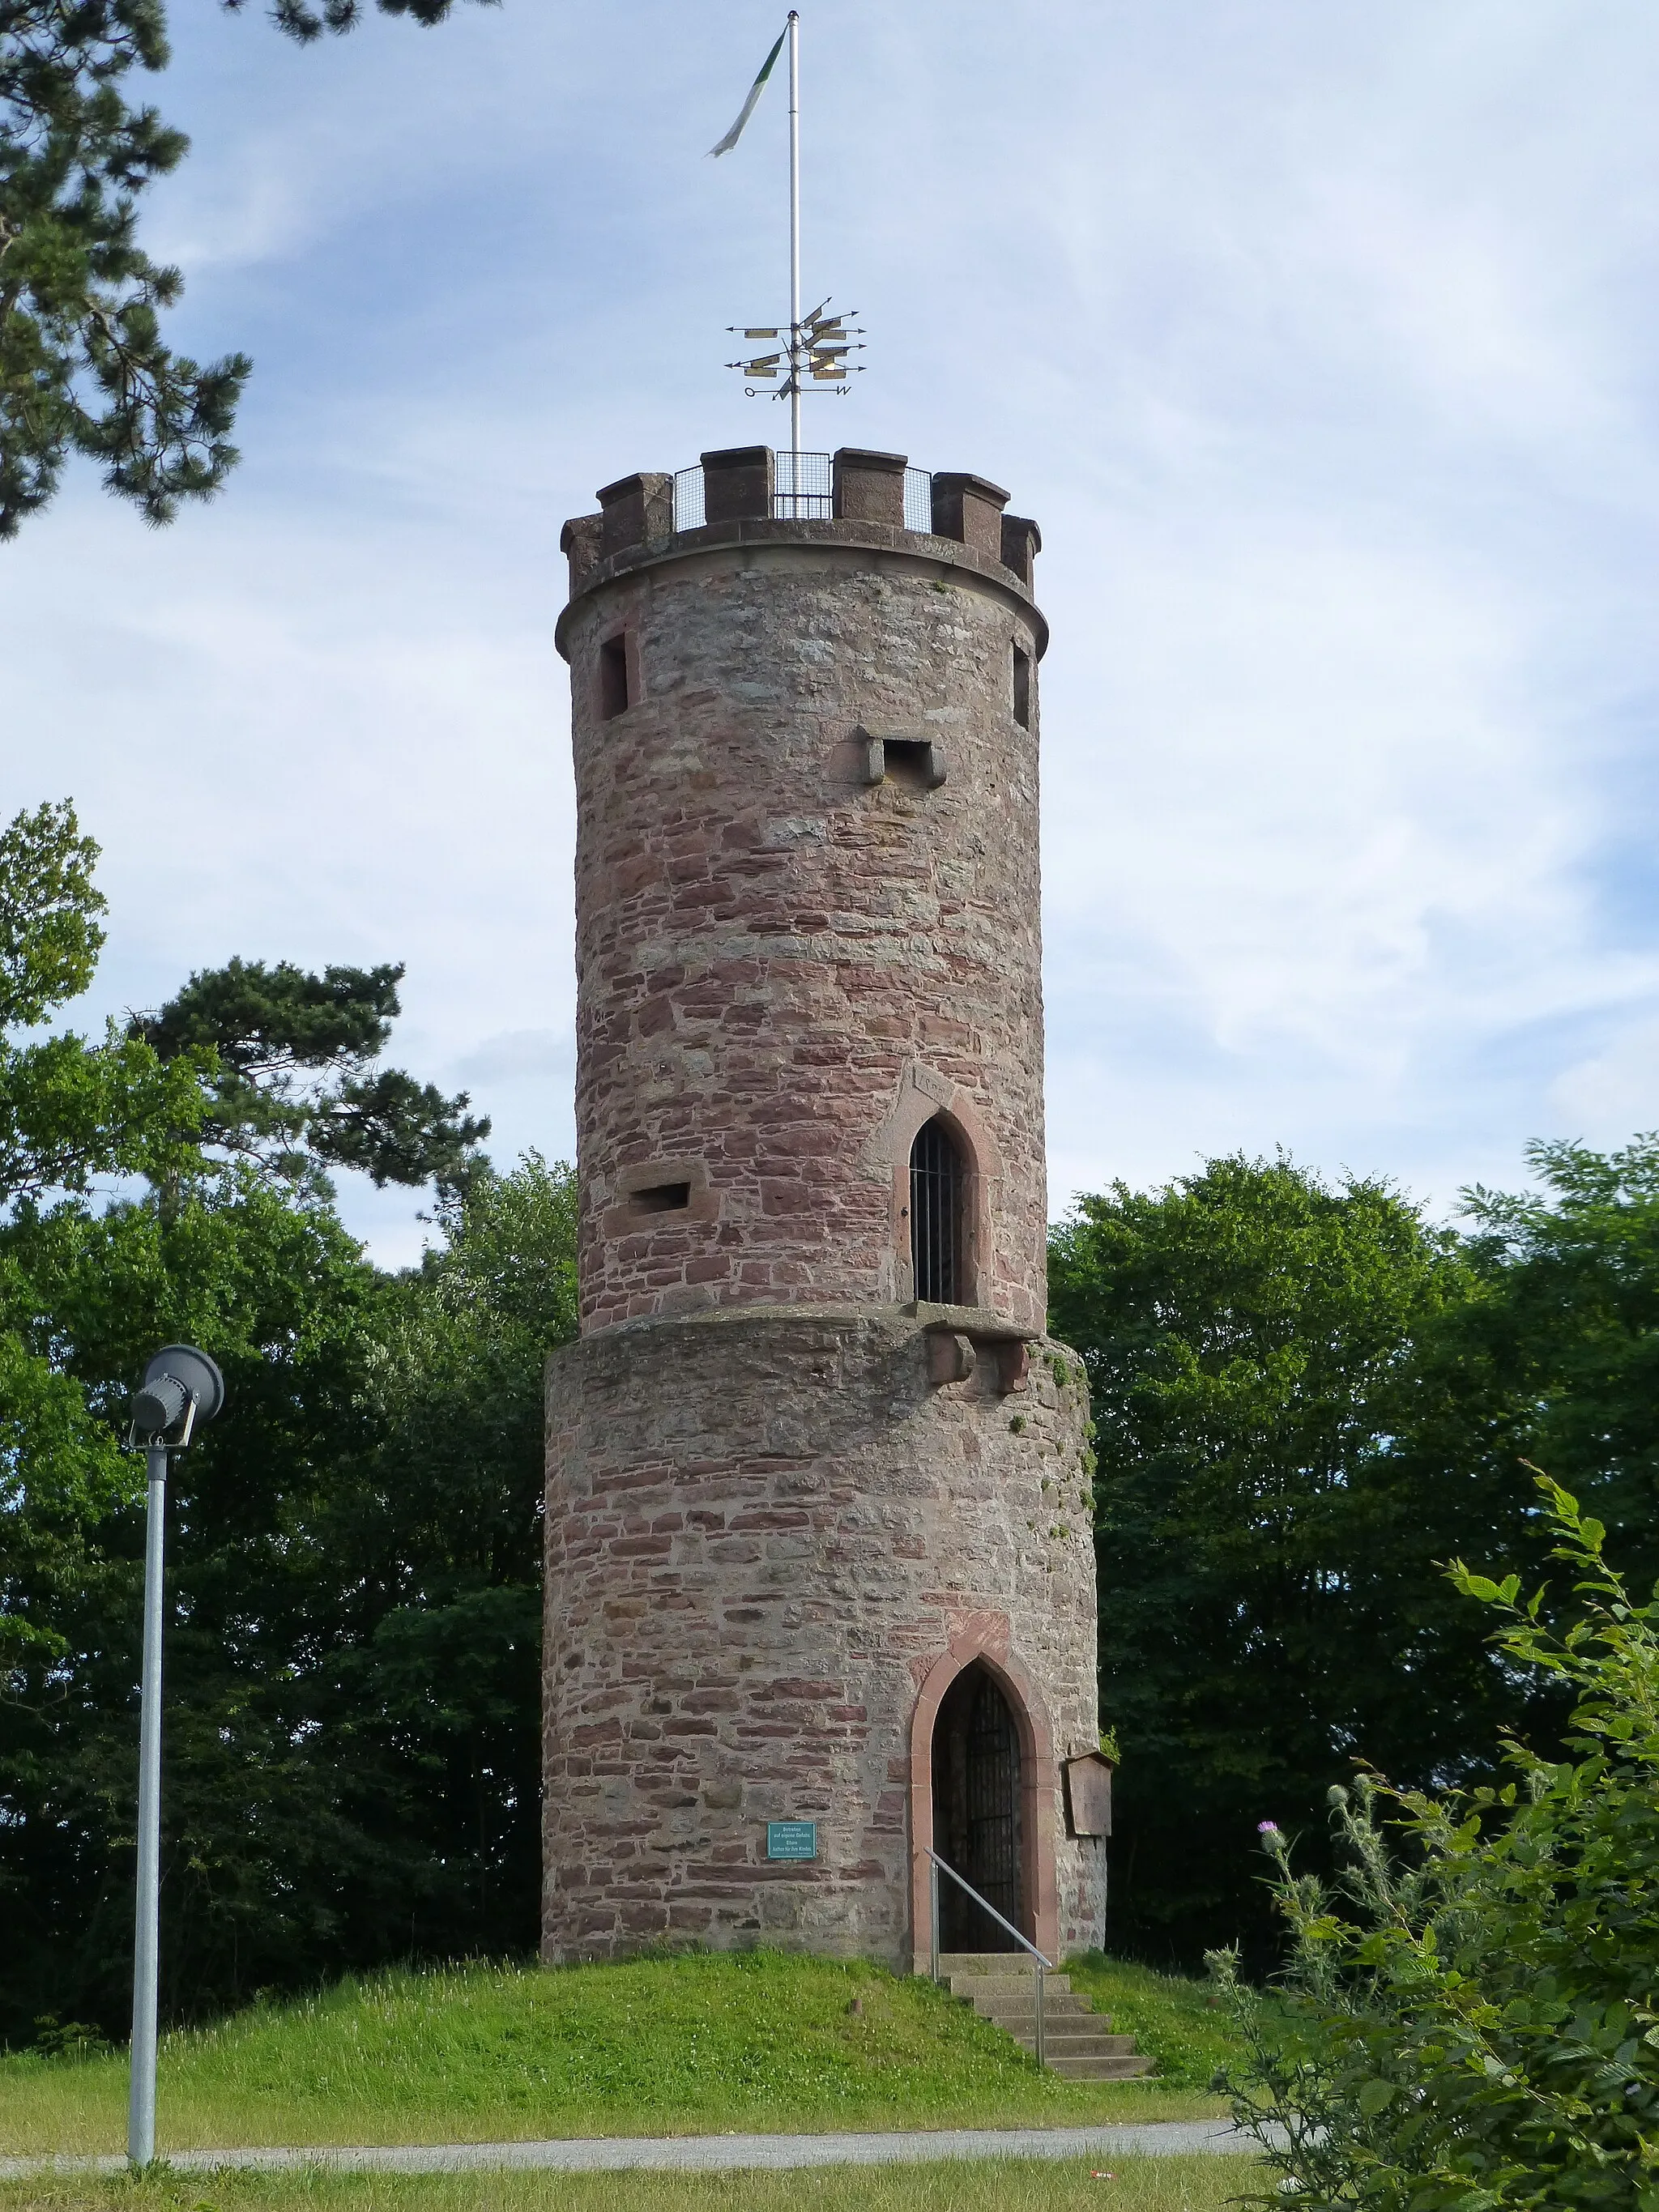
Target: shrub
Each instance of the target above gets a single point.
(1470, 2024)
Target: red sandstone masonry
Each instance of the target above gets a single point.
(896, 1527)
(772, 954)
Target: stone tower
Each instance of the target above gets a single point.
(818, 1545)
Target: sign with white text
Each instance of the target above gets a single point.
(792, 1839)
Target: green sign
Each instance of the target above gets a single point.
(792, 1839)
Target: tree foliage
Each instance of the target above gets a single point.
(351, 1747)
(1566, 1342)
(1475, 2026)
(350, 1756)
(83, 365)
(1282, 1462)
(295, 1087)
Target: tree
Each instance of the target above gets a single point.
(295, 1088)
(84, 367)
(1474, 2027)
(351, 1760)
(1569, 1323)
(353, 1635)
(71, 1111)
(1277, 1477)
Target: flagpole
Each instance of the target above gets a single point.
(794, 260)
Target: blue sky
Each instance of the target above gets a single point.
(1320, 339)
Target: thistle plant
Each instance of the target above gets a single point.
(1467, 2018)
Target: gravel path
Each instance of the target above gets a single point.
(695, 2154)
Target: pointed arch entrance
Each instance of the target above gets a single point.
(983, 1778)
(976, 1811)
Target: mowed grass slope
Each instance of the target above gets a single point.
(1136, 2184)
(693, 2045)
(1174, 2020)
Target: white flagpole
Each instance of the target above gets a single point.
(795, 359)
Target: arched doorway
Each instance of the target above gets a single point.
(938, 1187)
(977, 1812)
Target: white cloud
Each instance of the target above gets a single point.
(1604, 1099)
(1321, 342)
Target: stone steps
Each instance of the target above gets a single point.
(1078, 2042)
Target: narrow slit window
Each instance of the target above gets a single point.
(937, 1187)
(613, 678)
(1022, 688)
(662, 1198)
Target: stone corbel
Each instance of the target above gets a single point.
(950, 1356)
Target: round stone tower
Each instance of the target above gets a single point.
(820, 1578)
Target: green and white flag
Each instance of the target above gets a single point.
(736, 132)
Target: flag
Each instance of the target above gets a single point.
(736, 132)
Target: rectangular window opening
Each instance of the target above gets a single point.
(909, 760)
(1022, 688)
(661, 1197)
(613, 678)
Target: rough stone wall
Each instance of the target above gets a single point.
(766, 1529)
(783, 968)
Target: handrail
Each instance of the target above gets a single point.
(1024, 1943)
(1042, 1967)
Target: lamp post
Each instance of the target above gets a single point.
(182, 1386)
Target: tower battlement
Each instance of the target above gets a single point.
(869, 503)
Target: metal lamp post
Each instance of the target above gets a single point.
(181, 1387)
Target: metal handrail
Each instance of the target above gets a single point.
(1042, 1967)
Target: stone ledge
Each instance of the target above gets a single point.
(973, 1321)
(756, 532)
(916, 1317)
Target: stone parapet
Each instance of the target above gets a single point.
(773, 1542)
(950, 559)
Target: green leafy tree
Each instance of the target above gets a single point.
(352, 1754)
(72, 1110)
(1475, 2026)
(83, 365)
(1569, 1329)
(1277, 1480)
(353, 1630)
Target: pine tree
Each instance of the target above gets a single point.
(84, 367)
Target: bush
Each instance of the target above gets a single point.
(1473, 2025)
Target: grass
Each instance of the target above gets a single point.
(1174, 2020)
(1137, 2184)
(693, 2045)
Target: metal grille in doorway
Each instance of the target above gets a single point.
(993, 1802)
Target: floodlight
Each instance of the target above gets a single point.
(182, 1386)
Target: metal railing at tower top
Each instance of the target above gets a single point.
(802, 491)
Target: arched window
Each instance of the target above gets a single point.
(935, 1200)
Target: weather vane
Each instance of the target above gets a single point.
(813, 354)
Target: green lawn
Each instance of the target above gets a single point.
(1136, 2184)
(1175, 2021)
(694, 2045)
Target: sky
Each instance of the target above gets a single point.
(1322, 338)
